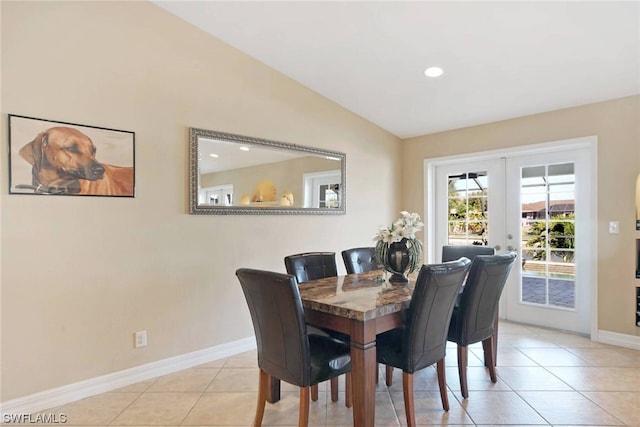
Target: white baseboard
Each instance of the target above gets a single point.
(621, 340)
(72, 392)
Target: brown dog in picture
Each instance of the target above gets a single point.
(64, 162)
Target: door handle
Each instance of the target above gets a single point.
(511, 248)
(497, 247)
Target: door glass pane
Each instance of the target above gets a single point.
(468, 208)
(548, 235)
(563, 171)
(457, 231)
(478, 231)
(456, 211)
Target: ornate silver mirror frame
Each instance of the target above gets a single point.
(240, 175)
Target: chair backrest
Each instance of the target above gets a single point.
(360, 260)
(453, 252)
(278, 321)
(427, 322)
(478, 306)
(311, 265)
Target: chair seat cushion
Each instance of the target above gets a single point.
(329, 358)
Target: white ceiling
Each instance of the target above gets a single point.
(501, 59)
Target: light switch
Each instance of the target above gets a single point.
(614, 227)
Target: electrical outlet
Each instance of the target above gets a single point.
(141, 339)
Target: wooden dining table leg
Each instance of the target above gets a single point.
(363, 372)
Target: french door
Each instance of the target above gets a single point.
(551, 285)
(537, 205)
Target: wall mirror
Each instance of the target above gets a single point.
(235, 174)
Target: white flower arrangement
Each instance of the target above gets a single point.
(404, 228)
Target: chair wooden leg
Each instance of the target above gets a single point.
(409, 404)
(314, 392)
(388, 375)
(303, 417)
(495, 340)
(442, 383)
(273, 391)
(348, 392)
(263, 385)
(489, 356)
(462, 370)
(495, 343)
(334, 389)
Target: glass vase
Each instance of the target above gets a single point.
(397, 261)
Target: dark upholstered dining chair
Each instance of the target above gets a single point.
(473, 319)
(359, 260)
(285, 350)
(421, 341)
(311, 266)
(453, 252)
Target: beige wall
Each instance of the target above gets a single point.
(81, 274)
(616, 123)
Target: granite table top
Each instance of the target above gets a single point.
(363, 296)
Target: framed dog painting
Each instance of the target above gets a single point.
(56, 158)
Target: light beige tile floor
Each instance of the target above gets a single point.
(544, 378)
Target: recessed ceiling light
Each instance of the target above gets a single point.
(213, 155)
(243, 148)
(433, 72)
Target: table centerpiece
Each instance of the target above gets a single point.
(398, 249)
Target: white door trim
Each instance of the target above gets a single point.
(588, 142)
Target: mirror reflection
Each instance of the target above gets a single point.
(235, 174)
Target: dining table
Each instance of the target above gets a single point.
(361, 306)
